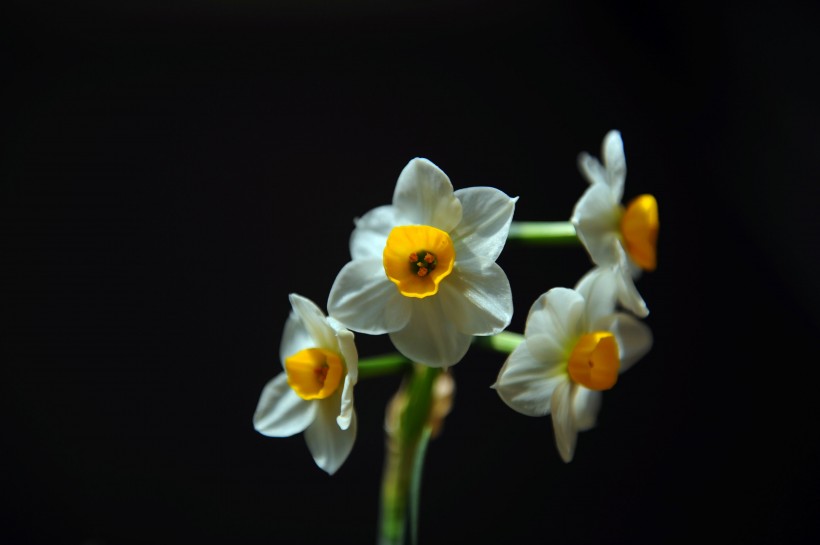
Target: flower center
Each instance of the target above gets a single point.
(314, 373)
(417, 258)
(422, 262)
(594, 361)
(639, 227)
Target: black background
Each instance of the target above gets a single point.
(171, 171)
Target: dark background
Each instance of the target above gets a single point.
(171, 171)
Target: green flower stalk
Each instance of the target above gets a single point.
(385, 364)
(415, 414)
(504, 342)
(554, 233)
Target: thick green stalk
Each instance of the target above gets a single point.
(408, 429)
(543, 233)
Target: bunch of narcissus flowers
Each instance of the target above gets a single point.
(423, 271)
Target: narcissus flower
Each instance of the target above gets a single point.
(423, 268)
(617, 237)
(314, 394)
(575, 346)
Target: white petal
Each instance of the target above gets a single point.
(280, 412)
(628, 294)
(551, 351)
(635, 270)
(347, 405)
(365, 300)
(554, 323)
(429, 337)
(370, 235)
(612, 150)
(634, 337)
(424, 195)
(314, 321)
(591, 169)
(562, 423)
(485, 223)
(595, 217)
(585, 406)
(478, 302)
(526, 384)
(295, 337)
(630, 298)
(599, 288)
(328, 443)
(347, 348)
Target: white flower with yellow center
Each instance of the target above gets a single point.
(575, 346)
(423, 269)
(622, 239)
(314, 394)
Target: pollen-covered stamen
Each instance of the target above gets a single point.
(314, 373)
(321, 373)
(417, 258)
(422, 262)
(595, 361)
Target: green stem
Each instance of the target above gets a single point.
(406, 438)
(408, 432)
(543, 232)
(384, 364)
(504, 342)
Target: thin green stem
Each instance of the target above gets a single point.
(504, 342)
(384, 364)
(543, 233)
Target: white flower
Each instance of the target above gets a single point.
(423, 269)
(575, 346)
(623, 239)
(317, 353)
